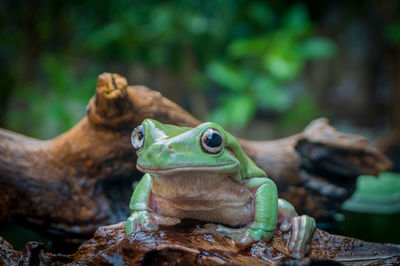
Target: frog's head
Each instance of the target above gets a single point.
(167, 149)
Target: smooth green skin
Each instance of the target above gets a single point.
(173, 147)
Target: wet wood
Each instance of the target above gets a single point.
(82, 179)
(182, 245)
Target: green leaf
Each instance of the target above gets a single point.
(59, 76)
(196, 24)
(247, 47)
(283, 65)
(227, 76)
(102, 37)
(376, 194)
(296, 20)
(318, 48)
(385, 187)
(392, 33)
(270, 96)
(236, 112)
(261, 13)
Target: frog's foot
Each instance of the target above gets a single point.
(147, 221)
(302, 230)
(223, 230)
(242, 236)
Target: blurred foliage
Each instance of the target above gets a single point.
(256, 69)
(392, 33)
(245, 56)
(50, 111)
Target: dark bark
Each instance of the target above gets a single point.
(182, 245)
(82, 179)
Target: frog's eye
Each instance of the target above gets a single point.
(211, 141)
(137, 138)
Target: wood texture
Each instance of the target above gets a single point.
(183, 245)
(82, 179)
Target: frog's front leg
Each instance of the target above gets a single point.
(265, 214)
(143, 218)
(265, 211)
(302, 228)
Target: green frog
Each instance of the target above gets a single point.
(202, 173)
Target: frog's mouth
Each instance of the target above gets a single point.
(224, 168)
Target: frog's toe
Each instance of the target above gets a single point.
(242, 236)
(212, 228)
(140, 221)
(285, 225)
(302, 229)
(164, 220)
(148, 225)
(244, 239)
(130, 226)
(223, 230)
(252, 235)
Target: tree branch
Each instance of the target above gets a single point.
(82, 179)
(183, 245)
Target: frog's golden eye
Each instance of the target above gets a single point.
(211, 141)
(137, 138)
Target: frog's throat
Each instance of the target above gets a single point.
(224, 168)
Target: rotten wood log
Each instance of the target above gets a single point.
(83, 178)
(185, 245)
